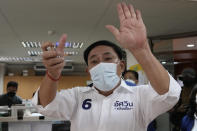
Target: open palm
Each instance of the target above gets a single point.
(132, 31)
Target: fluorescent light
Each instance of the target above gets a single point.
(20, 58)
(32, 45)
(69, 60)
(35, 53)
(175, 62)
(28, 45)
(81, 45)
(163, 62)
(68, 45)
(23, 43)
(29, 52)
(15, 59)
(27, 59)
(39, 44)
(32, 53)
(190, 45)
(39, 53)
(71, 45)
(35, 45)
(75, 45)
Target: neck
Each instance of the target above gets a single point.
(107, 93)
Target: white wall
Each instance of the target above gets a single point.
(132, 61)
(2, 72)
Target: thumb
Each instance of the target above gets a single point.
(113, 30)
(62, 42)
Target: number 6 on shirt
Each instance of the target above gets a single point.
(86, 104)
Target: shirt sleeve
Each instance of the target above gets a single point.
(152, 104)
(61, 107)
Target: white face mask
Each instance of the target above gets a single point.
(131, 81)
(196, 99)
(104, 76)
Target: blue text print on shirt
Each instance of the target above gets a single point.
(87, 104)
(123, 105)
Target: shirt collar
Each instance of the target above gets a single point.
(195, 116)
(121, 87)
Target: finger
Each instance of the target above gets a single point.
(126, 10)
(57, 66)
(49, 54)
(121, 15)
(45, 45)
(139, 16)
(62, 42)
(113, 30)
(132, 11)
(54, 61)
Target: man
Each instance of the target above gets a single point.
(130, 76)
(10, 97)
(110, 105)
(189, 79)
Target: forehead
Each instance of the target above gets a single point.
(129, 74)
(100, 50)
(11, 87)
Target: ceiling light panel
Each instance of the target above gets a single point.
(31, 44)
(75, 45)
(190, 45)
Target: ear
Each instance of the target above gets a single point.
(122, 65)
(87, 70)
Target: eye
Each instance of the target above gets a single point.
(108, 59)
(94, 62)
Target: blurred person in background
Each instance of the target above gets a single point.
(10, 97)
(189, 121)
(130, 76)
(189, 79)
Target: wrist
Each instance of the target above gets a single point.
(143, 55)
(55, 79)
(144, 52)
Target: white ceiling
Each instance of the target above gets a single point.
(84, 21)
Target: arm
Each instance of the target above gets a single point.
(132, 36)
(54, 63)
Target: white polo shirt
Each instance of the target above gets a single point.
(127, 109)
(194, 128)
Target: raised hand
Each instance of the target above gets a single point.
(53, 59)
(132, 32)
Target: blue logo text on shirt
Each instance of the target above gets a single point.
(123, 105)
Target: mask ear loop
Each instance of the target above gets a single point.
(121, 75)
(118, 62)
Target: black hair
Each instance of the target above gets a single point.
(116, 48)
(189, 77)
(13, 84)
(192, 102)
(133, 72)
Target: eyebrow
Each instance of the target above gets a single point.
(91, 57)
(106, 53)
